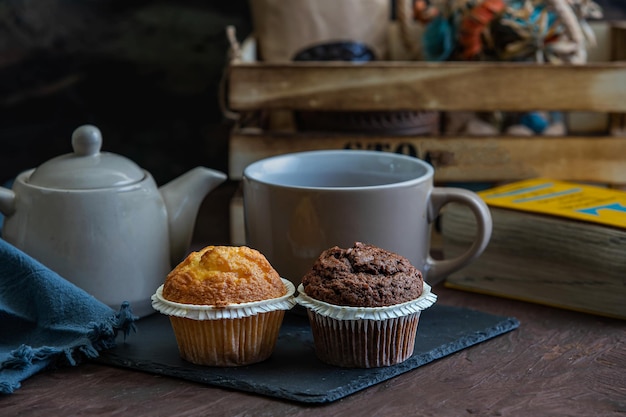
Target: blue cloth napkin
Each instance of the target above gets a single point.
(46, 321)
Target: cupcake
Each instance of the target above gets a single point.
(364, 305)
(226, 305)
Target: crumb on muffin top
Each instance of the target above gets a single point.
(222, 275)
(362, 276)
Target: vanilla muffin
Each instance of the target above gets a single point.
(223, 275)
(226, 305)
(364, 305)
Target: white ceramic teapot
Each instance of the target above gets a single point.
(99, 220)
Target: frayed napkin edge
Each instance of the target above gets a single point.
(101, 337)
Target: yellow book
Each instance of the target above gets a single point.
(556, 243)
(560, 198)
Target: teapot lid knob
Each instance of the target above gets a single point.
(87, 140)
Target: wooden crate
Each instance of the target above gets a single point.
(262, 97)
(278, 89)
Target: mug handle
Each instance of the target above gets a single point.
(439, 197)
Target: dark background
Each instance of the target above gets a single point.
(146, 72)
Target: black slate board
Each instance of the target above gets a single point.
(293, 372)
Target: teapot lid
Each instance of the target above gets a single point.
(86, 167)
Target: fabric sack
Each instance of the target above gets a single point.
(285, 29)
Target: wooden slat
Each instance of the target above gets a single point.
(501, 158)
(431, 86)
(618, 41)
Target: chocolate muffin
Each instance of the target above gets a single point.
(364, 305)
(363, 276)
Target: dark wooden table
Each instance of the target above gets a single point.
(557, 363)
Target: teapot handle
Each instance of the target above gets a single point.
(7, 201)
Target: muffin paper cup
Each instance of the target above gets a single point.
(231, 311)
(364, 337)
(228, 342)
(234, 335)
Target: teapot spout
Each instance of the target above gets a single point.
(7, 201)
(183, 197)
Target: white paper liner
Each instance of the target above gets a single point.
(424, 301)
(232, 311)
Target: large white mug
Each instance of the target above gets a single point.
(298, 205)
